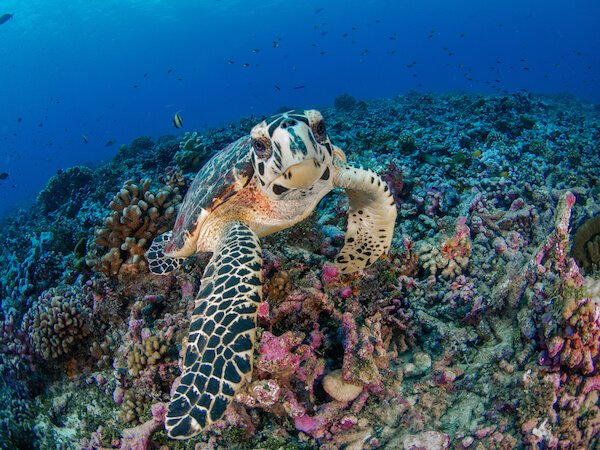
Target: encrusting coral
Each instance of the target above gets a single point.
(138, 215)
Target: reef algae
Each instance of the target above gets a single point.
(479, 330)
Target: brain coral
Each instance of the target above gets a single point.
(138, 215)
(57, 321)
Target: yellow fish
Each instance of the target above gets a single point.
(177, 121)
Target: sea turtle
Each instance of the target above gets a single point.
(259, 184)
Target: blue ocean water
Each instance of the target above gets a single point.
(79, 78)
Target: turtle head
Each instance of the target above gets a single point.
(292, 154)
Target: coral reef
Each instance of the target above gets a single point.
(479, 330)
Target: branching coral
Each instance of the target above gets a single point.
(57, 322)
(133, 407)
(147, 353)
(138, 215)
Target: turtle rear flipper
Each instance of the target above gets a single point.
(218, 355)
(371, 217)
(158, 263)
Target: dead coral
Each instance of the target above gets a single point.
(57, 322)
(586, 244)
(138, 215)
(451, 256)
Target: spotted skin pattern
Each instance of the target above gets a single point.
(158, 263)
(371, 217)
(218, 354)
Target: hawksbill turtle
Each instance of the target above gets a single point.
(257, 185)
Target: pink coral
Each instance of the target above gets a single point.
(138, 438)
(329, 273)
(275, 353)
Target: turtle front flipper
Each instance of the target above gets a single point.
(158, 263)
(371, 217)
(218, 355)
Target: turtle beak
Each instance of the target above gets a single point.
(301, 175)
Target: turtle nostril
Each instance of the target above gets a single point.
(288, 123)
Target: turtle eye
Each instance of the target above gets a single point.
(260, 148)
(320, 132)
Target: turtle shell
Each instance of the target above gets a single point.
(222, 177)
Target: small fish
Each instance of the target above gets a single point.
(365, 52)
(246, 65)
(477, 153)
(5, 18)
(3, 175)
(109, 143)
(85, 139)
(255, 50)
(277, 87)
(302, 86)
(318, 10)
(19, 119)
(230, 62)
(177, 121)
